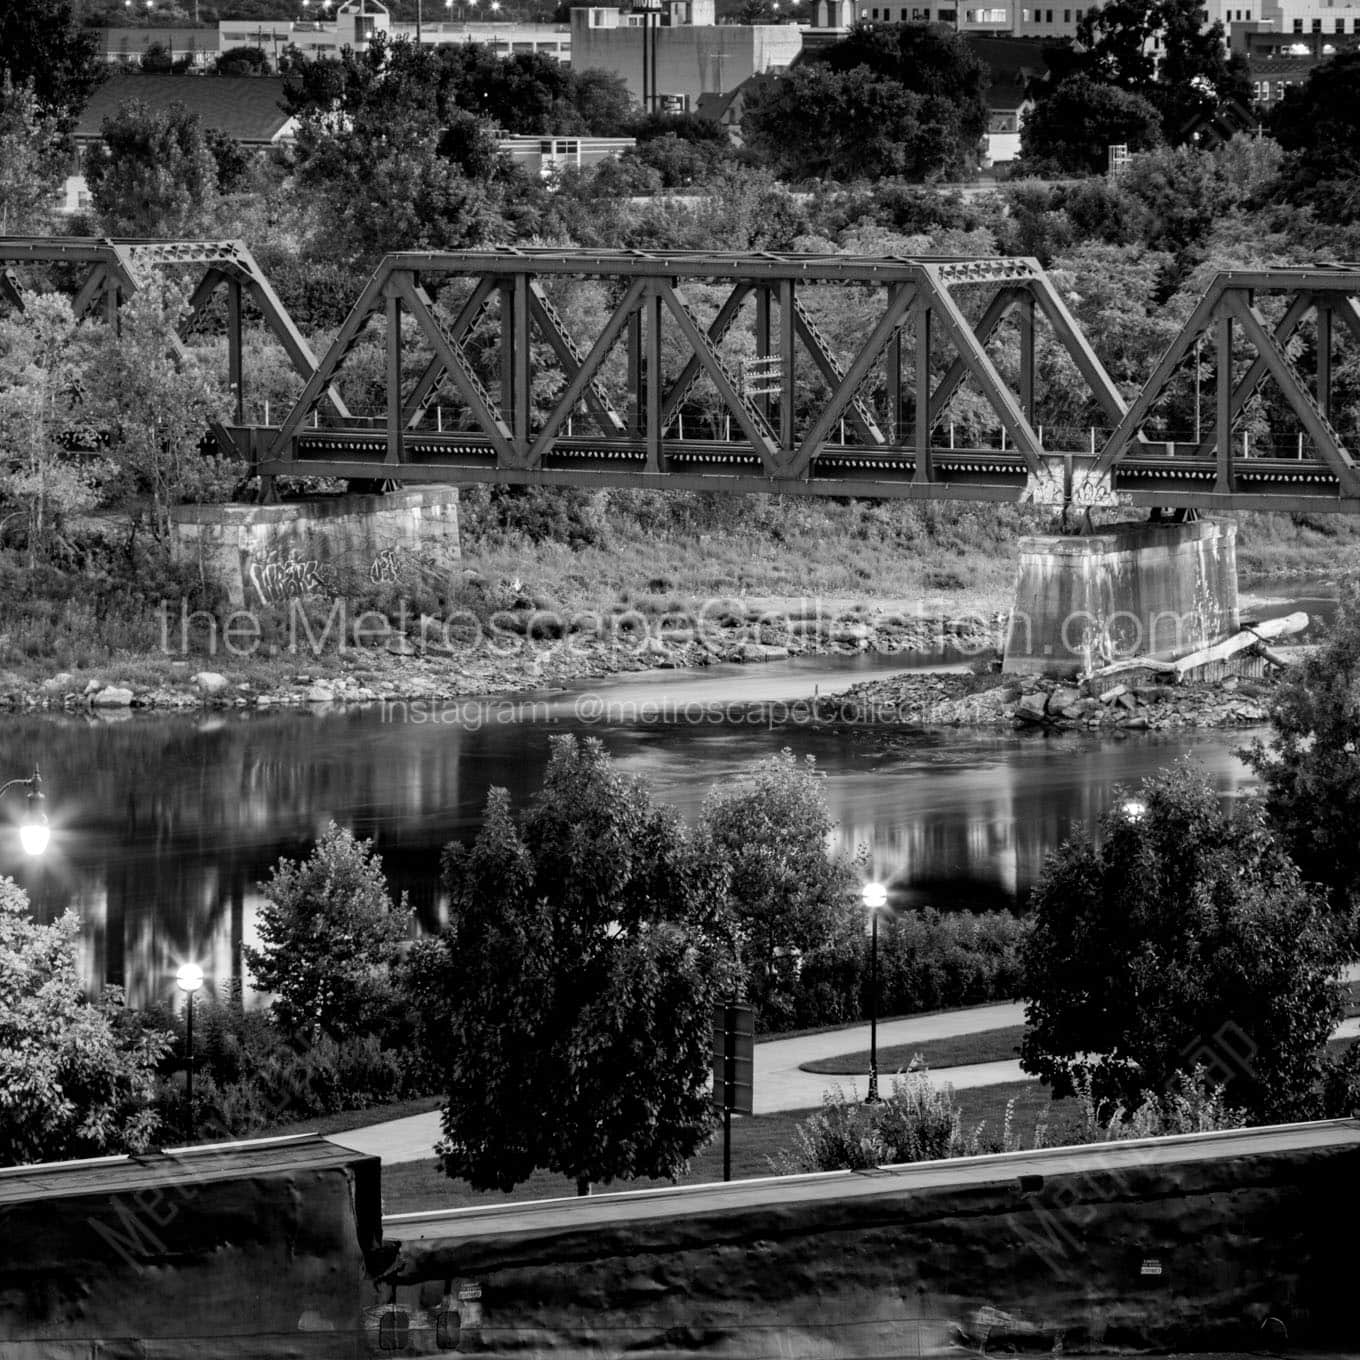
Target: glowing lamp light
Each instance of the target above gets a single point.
(34, 833)
(189, 978)
(875, 896)
(1134, 809)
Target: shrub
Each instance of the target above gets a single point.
(916, 1122)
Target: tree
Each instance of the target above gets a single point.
(153, 172)
(1185, 937)
(790, 895)
(1310, 769)
(243, 61)
(331, 939)
(41, 47)
(821, 123)
(41, 354)
(31, 162)
(1072, 129)
(153, 406)
(74, 1080)
(926, 59)
(583, 958)
(1318, 125)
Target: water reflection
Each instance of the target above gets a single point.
(163, 826)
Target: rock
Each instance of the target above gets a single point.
(1111, 695)
(1063, 698)
(1031, 708)
(1127, 701)
(113, 696)
(92, 687)
(1135, 723)
(318, 693)
(57, 684)
(400, 645)
(209, 682)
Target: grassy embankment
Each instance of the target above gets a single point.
(652, 553)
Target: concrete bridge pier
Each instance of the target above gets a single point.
(1153, 589)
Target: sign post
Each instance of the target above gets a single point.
(734, 1043)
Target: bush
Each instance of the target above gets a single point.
(916, 1122)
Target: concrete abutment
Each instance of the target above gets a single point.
(327, 545)
(1158, 590)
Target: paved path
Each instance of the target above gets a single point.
(779, 1082)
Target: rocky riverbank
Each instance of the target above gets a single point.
(421, 663)
(1035, 703)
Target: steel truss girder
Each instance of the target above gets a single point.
(653, 307)
(119, 267)
(1229, 312)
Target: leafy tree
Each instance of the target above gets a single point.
(331, 939)
(583, 959)
(1185, 937)
(74, 1080)
(788, 892)
(821, 123)
(926, 59)
(153, 173)
(1318, 125)
(41, 353)
(1071, 129)
(243, 61)
(1196, 74)
(32, 161)
(41, 46)
(1310, 769)
(153, 407)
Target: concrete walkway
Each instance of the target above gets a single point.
(780, 1084)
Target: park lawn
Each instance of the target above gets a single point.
(988, 1045)
(412, 1186)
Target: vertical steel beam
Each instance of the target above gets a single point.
(764, 347)
(394, 430)
(1223, 481)
(234, 366)
(652, 302)
(787, 369)
(507, 324)
(1324, 357)
(925, 471)
(523, 366)
(635, 413)
(1024, 317)
(893, 359)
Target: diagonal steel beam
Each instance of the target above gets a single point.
(590, 366)
(551, 328)
(1072, 339)
(1131, 424)
(899, 300)
(90, 292)
(464, 377)
(717, 332)
(353, 326)
(1255, 375)
(1348, 309)
(753, 424)
(11, 289)
(1002, 400)
(815, 343)
(1296, 393)
(958, 370)
(469, 314)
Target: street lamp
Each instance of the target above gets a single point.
(189, 979)
(875, 897)
(34, 833)
(1134, 809)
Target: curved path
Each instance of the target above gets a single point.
(780, 1084)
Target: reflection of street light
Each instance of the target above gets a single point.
(875, 897)
(34, 833)
(189, 979)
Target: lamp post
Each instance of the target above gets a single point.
(189, 979)
(34, 833)
(875, 897)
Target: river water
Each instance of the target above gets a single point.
(164, 825)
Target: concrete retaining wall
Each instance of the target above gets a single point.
(1159, 590)
(328, 546)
